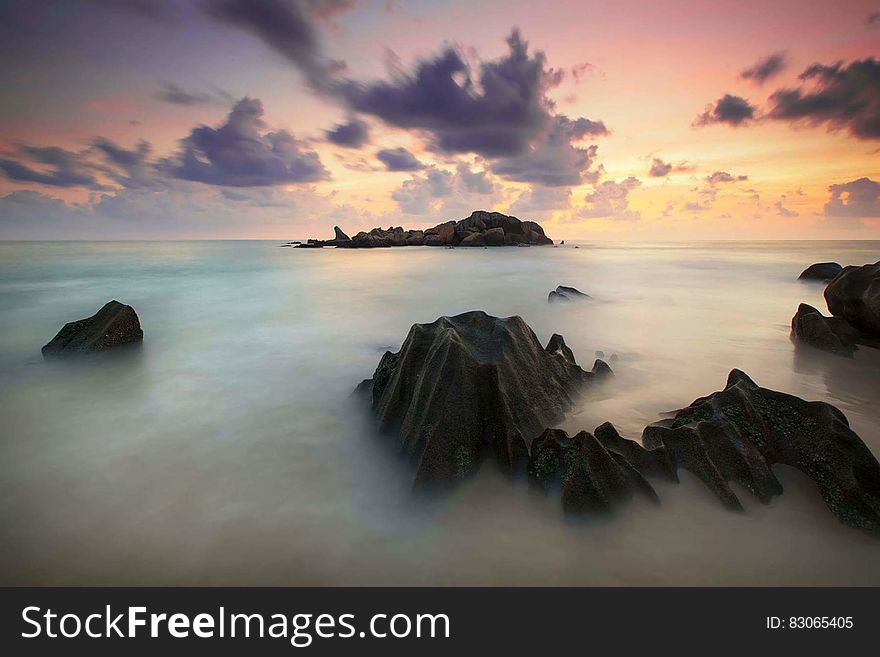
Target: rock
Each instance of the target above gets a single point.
(494, 237)
(854, 295)
(821, 271)
(827, 333)
(566, 293)
(471, 386)
(649, 462)
(474, 239)
(739, 433)
(493, 229)
(112, 326)
(591, 478)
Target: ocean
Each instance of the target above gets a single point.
(228, 450)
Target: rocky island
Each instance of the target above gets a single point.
(481, 228)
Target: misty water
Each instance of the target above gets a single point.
(227, 450)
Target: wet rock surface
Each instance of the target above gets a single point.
(470, 387)
(820, 271)
(114, 325)
(737, 434)
(854, 295)
(831, 334)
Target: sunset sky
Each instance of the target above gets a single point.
(280, 118)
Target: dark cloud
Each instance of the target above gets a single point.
(240, 153)
(65, 168)
(611, 200)
(399, 159)
(841, 97)
(857, 198)
(286, 27)
(724, 177)
(177, 95)
(154, 9)
(130, 168)
(500, 109)
(873, 19)
(351, 134)
(765, 68)
(729, 109)
(553, 160)
(659, 168)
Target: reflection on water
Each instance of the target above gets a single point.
(225, 451)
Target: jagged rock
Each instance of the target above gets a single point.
(340, 236)
(566, 293)
(591, 478)
(112, 326)
(854, 295)
(466, 387)
(821, 271)
(737, 434)
(827, 333)
(649, 462)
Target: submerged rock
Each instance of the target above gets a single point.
(739, 433)
(468, 387)
(566, 293)
(112, 326)
(827, 333)
(591, 478)
(821, 271)
(854, 295)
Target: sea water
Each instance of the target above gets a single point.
(227, 449)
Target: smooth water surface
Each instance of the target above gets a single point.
(226, 450)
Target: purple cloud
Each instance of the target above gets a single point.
(731, 110)
(399, 159)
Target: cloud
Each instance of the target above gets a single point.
(177, 95)
(240, 153)
(857, 198)
(723, 177)
(65, 168)
(442, 191)
(873, 19)
(554, 161)
(496, 108)
(399, 159)
(843, 97)
(352, 134)
(765, 68)
(129, 168)
(286, 27)
(611, 200)
(731, 110)
(541, 199)
(659, 168)
(782, 211)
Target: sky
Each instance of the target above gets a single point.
(278, 119)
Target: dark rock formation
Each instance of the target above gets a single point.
(591, 478)
(737, 434)
(821, 271)
(481, 228)
(854, 295)
(827, 333)
(465, 387)
(113, 326)
(566, 293)
(649, 462)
